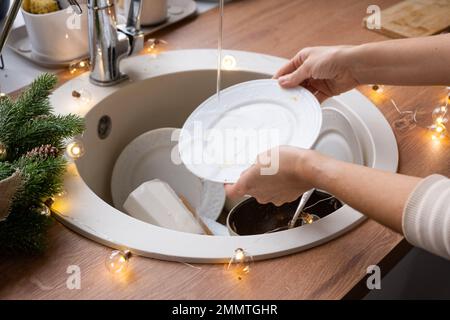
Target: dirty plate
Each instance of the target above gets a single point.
(152, 155)
(337, 138)
(223, 137)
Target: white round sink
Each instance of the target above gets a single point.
(162, 92)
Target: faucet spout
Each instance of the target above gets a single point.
(9, 22)
(109, 42)
(133, 27)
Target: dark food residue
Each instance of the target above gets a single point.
(250, 217)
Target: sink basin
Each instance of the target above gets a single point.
(162, 92)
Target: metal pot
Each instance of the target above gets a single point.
(251, 218)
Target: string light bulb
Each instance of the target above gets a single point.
(59, 202)
(79, 67)
(44, 210)
(438, 128)
(154, 46)
(378, 88)
(438, 132)
(308, 218)
(75, 149)
(117, 262)
(61, 194)
(439, 114)
(240, 264)
(3, 151)
(229, 62)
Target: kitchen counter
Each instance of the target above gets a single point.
(334, 270)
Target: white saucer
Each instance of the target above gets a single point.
(338, 138)
(221, 140)
(148, 157)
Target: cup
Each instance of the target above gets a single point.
(153, 11)
(59, 36)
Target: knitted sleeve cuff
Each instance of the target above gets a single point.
(426, 216)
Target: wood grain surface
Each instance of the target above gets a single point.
(415, 18)
(330, 271)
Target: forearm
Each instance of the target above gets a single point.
(379, 195)
(418, 61)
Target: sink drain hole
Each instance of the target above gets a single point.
(104, 127)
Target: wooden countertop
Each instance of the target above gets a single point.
(332, 271)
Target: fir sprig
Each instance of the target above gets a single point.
(51, 129)
(32, 136)
(6, 170)
(37, 96)
(42, 178)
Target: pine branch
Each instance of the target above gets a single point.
(6, 121)
(24, 232)
(42, 179)
(32, 103)
(6, 170)
(52, 129)
(37, 96)
(33, 137)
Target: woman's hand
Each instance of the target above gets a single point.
(336, 69)
(378, 194)
(325, 70)
(284, 182)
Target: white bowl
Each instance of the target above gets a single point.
(58, 36)
(149, 157)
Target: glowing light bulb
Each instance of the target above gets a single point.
(3, 152)
(240, 264)
(117, 261)
(377, 88)
(308, 218)
(61, 194)
(239, 254)
(438, 132)
(229, 62)
(44, 210)
(79, 67)
(154, 46)
(75, 149)
(439, 114)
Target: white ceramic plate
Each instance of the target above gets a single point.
(221, 139)
(148, 157)
(338, 138)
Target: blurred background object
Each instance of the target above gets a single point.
(4, 6)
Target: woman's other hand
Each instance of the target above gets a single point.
(325, 70)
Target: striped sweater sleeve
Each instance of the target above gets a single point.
(426, 217)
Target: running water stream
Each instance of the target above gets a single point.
(219, 50)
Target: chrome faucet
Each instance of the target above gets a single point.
(108, 42)
(9, 22)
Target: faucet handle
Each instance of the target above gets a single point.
(132, 29)
(134, 16)
(76, 6)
